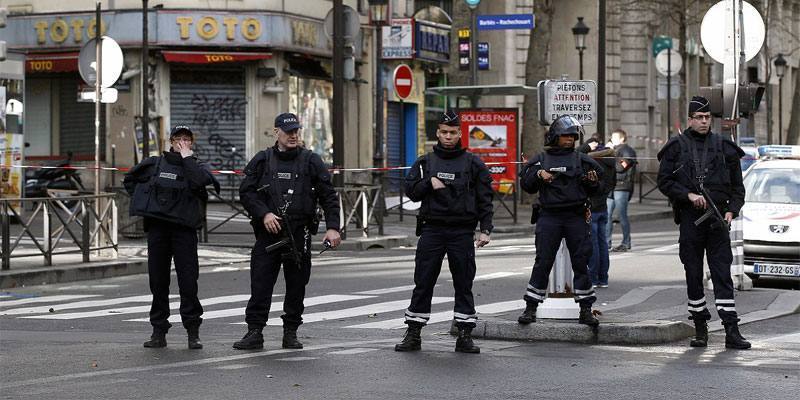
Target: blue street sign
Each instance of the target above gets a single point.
(483, 56)
(513, 21)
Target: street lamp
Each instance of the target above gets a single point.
(378, 15)
(580, 30)
(780, 70)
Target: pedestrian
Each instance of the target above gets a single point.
(281, 189)
(169, 191)
(564, 179)
(455, 189)
(623, 189)
(599, 262)
(694, 162)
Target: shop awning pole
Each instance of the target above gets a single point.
(145, 86)
(338, 90)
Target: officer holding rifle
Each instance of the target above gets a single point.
(280, 191)
(699, 172)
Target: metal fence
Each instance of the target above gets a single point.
(88, 222)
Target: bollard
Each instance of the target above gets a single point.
(6, 231)
(560, 302)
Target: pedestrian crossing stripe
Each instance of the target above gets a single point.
(358, 311)
(276, 306)
(45, 299)
(80, 304)
(399, 323)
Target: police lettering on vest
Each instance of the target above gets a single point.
(458, 197)
(290, 182)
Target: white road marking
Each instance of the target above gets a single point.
(276, 306)
(138, 309)
(663, 248)
(357, 350)
(235, 366)
(494, 275)
(358, 311)
(45, 299)
(786, 303)
(790, 338)
(635, 296)
(80, 304)
(184, 364)
(297, 359)
(389, 290)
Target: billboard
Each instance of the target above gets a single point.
(492, 135)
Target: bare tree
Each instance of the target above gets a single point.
(536, 69)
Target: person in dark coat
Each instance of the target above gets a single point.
(599, 262)
(699, 160)
(169, 191)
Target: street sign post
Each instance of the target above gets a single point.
(111, 58)
(503, 22)
(567, 97)
(669, 62)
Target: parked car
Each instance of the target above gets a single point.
(771, 214)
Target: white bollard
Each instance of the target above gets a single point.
(560, 302)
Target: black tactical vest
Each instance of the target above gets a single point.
(705, 161)
(458, 196)
(167, 196)
(566, 189)
(289, 181)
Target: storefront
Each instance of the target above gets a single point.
(225, 74)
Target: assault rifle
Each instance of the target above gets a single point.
(287, 237)
(712, 210)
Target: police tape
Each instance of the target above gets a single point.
(334, 170)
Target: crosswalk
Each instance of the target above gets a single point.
(385, 304)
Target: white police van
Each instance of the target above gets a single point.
(771, 214)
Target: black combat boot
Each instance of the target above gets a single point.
(252, 340)
(290, 338)
(464, 342)
(734, 339)
(194, 338)
(700, 333)
(157, 340)
(412, 341)
(585, 317)
(529, 315)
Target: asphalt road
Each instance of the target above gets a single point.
(89, 345)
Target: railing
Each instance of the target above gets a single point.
(361, 204)
(650, 177)
(87, 228)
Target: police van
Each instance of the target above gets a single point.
(771, 213)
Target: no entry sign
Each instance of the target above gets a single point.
(403, 81)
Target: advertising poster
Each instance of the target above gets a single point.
(11, 178)
(491, 134)
(154, 143)
(398, 40)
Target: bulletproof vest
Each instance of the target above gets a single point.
(167, 196)
(289, 182)
(565, 190)
(705, 162)
(458, 196)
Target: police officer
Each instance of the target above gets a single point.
(455, 189)
(169, 192)
(280, 191)
(564, 179)
(695, 160)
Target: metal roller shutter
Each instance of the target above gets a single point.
(76, 121)
(394, 147)
(213, 104)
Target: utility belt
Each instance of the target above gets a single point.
(423, 221)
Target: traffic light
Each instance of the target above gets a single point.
(749, 100)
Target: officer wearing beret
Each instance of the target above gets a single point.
(455, 189)
(564, 179)
(168, 191)
(699, 160)
(280, 191)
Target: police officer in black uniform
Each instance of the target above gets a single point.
(455, 189)
(280, 191)
(695, 160)
(564, 179)
(169, 192)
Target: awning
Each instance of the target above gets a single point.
(481, 90)
(46, 63)
(210, 57)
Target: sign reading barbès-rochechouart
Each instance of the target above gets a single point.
(171, 27)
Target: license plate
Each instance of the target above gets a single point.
(776, 269)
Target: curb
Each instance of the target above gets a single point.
(71, 273)
(643, 332)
